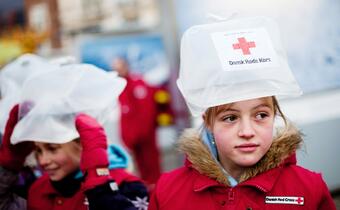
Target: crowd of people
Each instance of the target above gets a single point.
(242, 157)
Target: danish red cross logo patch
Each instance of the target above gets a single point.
(299, 200)
(244, 45)
(290, 200)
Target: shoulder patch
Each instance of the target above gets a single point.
(294, 200)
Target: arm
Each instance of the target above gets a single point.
(12, 158)
(9, 200)
(100, 188)
(327, 201)
(127, 196)
(153, 205)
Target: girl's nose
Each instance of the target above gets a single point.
(246, 129)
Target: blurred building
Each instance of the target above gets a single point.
(43, 17)
(107, 15)
(63, 18)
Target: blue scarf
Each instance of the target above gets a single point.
(208, 139)
(118, 158)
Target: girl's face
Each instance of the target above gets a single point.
(58, 160)
(243, 132)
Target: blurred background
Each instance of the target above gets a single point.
(147, 34)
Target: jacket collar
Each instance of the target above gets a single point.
(263, 174)
(67, 187)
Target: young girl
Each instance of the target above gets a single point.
(238, 160)
(76, 173)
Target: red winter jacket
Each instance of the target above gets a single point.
(276, 182)
(138, 111)
(43, 196)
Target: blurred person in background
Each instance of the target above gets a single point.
(12, 159)
(138, 122)
(236, 159)
(79, 170)
(76, 173)
(12, 77)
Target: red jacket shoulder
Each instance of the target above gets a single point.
(299, 181)
(178, 180)
(302, 176)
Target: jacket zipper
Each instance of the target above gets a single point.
(231, 195)
(260, 188)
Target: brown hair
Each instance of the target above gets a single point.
(211, 113)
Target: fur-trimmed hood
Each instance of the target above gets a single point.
(285, 144)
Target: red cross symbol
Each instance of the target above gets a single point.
(299, 200)
(244, 45)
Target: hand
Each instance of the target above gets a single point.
(12, 157)
(94, 158)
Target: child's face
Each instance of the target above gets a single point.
(58, 160)
(243, 132)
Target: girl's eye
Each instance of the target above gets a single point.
(261, 116)
(230, 118)
(52, 148)
(38, 151)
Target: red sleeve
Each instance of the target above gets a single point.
(153, 204)
(327, 202)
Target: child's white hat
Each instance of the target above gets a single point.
(49, 102)
(231, 61)
(12, 78)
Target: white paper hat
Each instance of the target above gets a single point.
(50, 102)
(231, 61)
(12, 78)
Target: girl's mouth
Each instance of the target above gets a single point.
(249, 147)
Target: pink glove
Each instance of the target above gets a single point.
(12, 157)
(94, 158)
